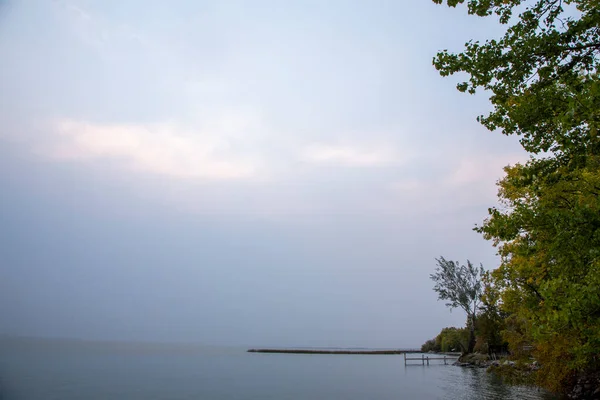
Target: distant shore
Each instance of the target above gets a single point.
(344, 351)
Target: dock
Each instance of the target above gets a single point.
(336, 351)
(426, 358)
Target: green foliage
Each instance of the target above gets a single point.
(449, 339)
(491, 319)
(543, 78)
(520, 373)
(430, 345)
(542, 74)
(488, 332)
(549, 240)
(453, 339)
(461, 286)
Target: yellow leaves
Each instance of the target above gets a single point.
(511, 187)
(554, 355)
(530, 280)
(549, 241)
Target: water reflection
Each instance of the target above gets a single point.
(90, 371)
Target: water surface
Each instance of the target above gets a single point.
(65, 370)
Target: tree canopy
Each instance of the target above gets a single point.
(461, 286)
(542, 75)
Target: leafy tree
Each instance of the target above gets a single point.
(449, 339)
(542, 74)
(491, 320)
(452, 339)
(461, 287)
(430, 345)
(543, 78)
(549, 241)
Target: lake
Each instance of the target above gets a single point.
(69, 370)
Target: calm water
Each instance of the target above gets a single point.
(71, 370)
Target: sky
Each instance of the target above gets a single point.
(241, 173)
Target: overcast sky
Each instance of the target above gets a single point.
(265, 173)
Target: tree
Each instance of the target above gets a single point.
(491, 319)
(461, 287)
(430, 345)
(542, 74)
(549, 240)
(452, 339)
(449, 339)
(544, 83)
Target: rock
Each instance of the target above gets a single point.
(587, 386)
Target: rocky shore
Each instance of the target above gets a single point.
(477, 360)
(474, 360)
(586, 387)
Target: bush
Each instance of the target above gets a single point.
(449, 339)
(430, 345)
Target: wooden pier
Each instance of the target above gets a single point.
(336, 351)
(425, 359)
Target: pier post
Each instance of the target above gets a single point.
(423, 358)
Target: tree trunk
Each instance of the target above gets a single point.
(471, 346)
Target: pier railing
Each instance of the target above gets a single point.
(426, 358)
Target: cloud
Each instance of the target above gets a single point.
(109, 39)
(468, 181)
(350, 156)
(474, 169)
(163, 149)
